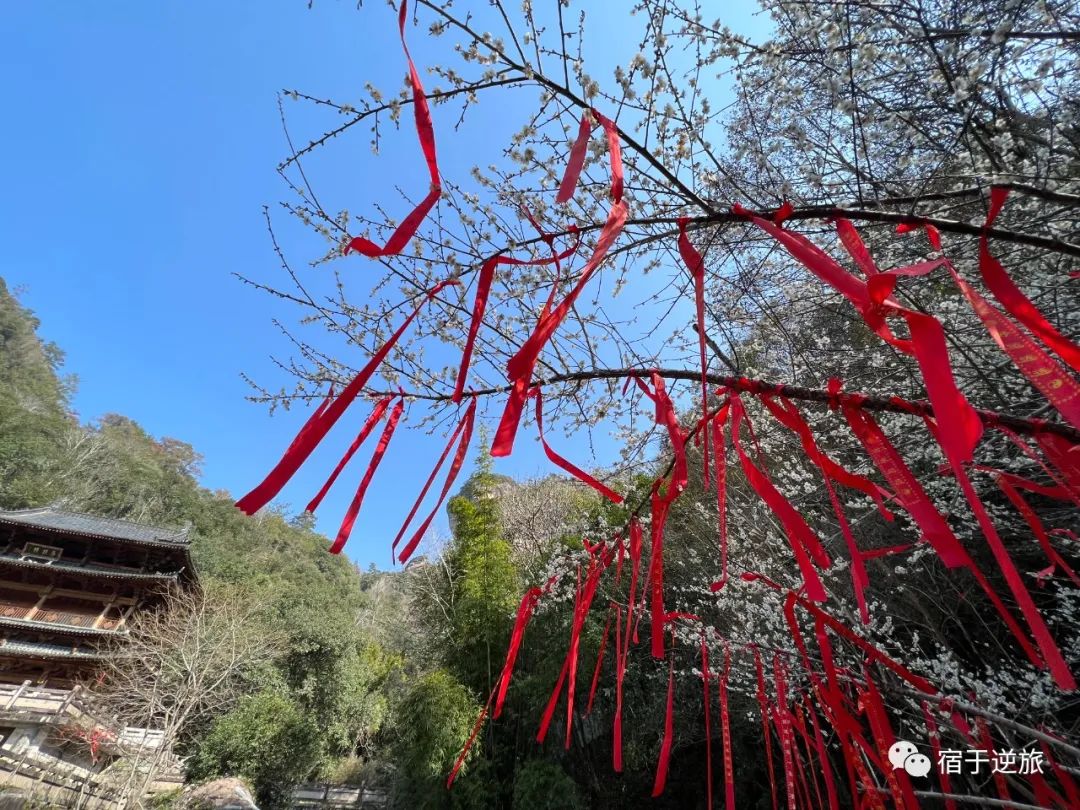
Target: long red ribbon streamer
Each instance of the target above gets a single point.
(483, 290)
(669, 733)
(1009, 295)
(354, 508)
(576, 162)
(804, 543)
(302, 447)
(705, 676)
(466, 427)
(562, 463)
(1036, 526)
(365, 431)
(720, 474)
(763, 708)
(725, 734)
(599, 664)
(425, 132)
(696, 267)
(520, 367)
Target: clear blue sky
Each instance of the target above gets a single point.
(140, 141)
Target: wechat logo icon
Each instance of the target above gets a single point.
(905, 755)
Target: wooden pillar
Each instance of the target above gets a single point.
(44, 595)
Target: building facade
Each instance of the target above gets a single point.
(70, 584)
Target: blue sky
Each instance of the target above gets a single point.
(140, 143)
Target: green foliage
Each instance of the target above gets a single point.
(33, 409)
(543, 785)
(486, 587)
(434, 718)
(267, 739)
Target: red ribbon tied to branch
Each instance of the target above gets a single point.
(426, 134)
(315, 430)
(520, 367)
(464, 430)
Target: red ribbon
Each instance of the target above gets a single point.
(521, 621)
(669, 733)
(804, 543)
(562, 463)
(520, 367)
(1060, 389)
(426, 134)
(763, 708)
(313, 433)
(963, 428)
(1064, 455)
(620, 669)
(725, 734)
(316, 415)
(695, 265)
(935, 529)
(783, 729)
(708, 721)
(908, 491)
(599, 664)
(846, 633)
(1009, 295)
(1063, 776)
(935, 746)
(624, 642)
(667, 416)
(575, 643)
(1051, 654)
(582, 602)
(987, 743)
(365, 431)
(789, 416)
(576, 161)
(1036, 526)
(483, 289)
(553, 700)
(720, 474)
(354, 508)
(468, 744)
(465, 429)
(823, 758)
(658, 516)
(896, 778)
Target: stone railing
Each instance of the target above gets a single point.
(338, 796)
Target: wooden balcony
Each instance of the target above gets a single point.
(62, 618)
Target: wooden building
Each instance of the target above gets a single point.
(69, 582)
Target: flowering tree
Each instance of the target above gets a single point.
(846, 301)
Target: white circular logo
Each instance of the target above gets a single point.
(904, 754)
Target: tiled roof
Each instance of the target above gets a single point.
(58, 520)
(19, 560)
(44, 650)
(53, 627)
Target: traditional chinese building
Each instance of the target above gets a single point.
(69, 582)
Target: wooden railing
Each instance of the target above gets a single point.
(25, 698)
(68, 618)
(10, 610)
